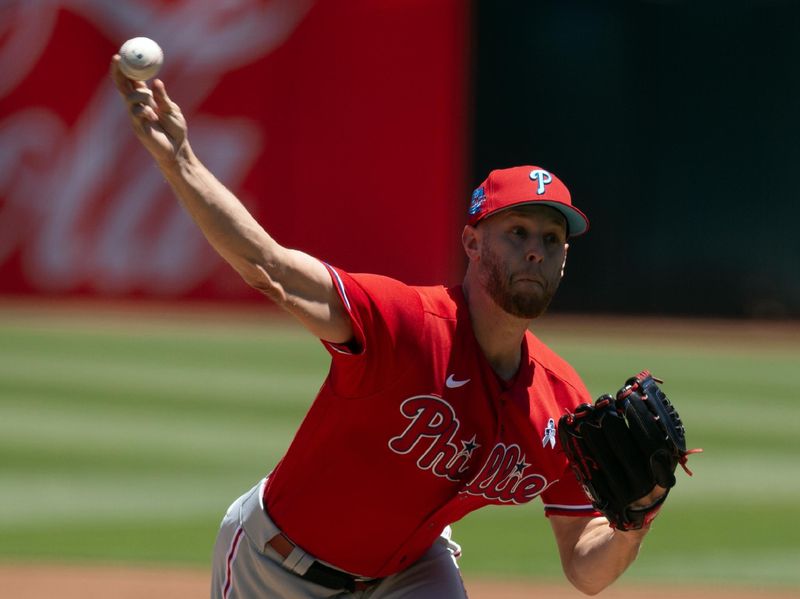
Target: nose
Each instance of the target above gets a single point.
(535, 250)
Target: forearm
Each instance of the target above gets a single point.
(292, 279)
(600, 556)
(229, 227)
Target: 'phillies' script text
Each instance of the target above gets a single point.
(430, 438)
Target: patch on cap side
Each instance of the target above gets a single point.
(478, 199)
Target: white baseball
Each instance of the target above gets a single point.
(141, 58)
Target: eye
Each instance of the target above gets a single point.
(518, 232)
(552, 239)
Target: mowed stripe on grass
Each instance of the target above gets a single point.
(127, 440)
(140, 431)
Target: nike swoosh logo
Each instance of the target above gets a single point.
(454, 384)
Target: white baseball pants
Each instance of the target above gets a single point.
(246, 567)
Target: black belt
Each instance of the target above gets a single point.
(321, 574)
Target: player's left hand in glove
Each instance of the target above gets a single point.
(623, 448)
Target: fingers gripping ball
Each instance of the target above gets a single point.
(621, 447)
(140, 58)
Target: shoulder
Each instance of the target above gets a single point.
(560, 372)
(380, 307)
(367, 291)
(439, 301)
(381, 290)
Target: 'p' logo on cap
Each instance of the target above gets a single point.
(542, 177)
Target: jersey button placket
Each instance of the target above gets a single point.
(501, 399)
(502, 402)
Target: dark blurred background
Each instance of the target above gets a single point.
(675, 125)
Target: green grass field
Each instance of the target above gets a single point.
(124, 437)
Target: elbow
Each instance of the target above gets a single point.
(595, 555)
(587, 585)
(587, 588)
(257, 278)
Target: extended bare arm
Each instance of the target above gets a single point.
(292, 279)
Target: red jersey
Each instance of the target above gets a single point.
(412, 430)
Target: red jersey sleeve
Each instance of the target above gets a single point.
(567, 498)
(387, 318)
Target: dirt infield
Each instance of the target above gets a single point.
(85, 582)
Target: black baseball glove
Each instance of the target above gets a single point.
(621, 447)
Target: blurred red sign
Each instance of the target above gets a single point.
(341, 125)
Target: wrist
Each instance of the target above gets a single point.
(177, 162)
(631, 537)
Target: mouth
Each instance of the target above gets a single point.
(528, 280)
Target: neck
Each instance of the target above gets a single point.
(499, 334)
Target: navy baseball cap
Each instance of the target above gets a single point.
(520, 185)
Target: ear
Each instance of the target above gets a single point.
(470, 239)
(564, 263)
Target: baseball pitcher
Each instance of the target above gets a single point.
(438, 401)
